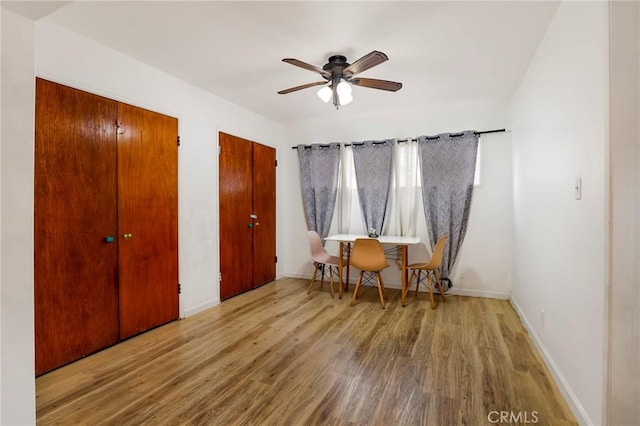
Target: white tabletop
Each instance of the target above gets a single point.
(384, 239)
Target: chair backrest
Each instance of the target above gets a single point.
(368, 255)
(438, 251)
(315, 244)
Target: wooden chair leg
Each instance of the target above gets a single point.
(440, 289)
(380, 288)
(409, 281)
(430, 285)
(384, 289)
(355, 290)
(313, 279)
(331, 281)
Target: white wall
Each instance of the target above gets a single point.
(624, 304)
(70, 59)
(484, 265)
(0, 225)
(16, 318)
(560, 132)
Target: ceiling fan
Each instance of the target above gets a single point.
(339, 74)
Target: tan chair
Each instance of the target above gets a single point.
(368, 256)
(322, 260)
(430, 269)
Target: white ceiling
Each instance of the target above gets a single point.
(442, 52)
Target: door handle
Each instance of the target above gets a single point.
(249, 225)
(253, 216)
(127, 236)
(108, 239)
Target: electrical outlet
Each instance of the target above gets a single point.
(542, 319)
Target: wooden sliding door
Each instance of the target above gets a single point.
(106, 223)
(247, 214)
(75, 225)
(264, 207)
(147, 219)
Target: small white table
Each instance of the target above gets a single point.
(402, 243)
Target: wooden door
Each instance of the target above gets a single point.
(236, 208)
(75, 224)
(264, 207)
(147, 219)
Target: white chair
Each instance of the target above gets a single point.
(323, 261)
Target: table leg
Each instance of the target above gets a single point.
(340, 270)
(404, 275)
(346, 283)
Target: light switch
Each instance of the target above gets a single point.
(578, 188)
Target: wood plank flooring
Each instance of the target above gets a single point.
(277, 356)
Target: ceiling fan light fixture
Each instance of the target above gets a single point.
(343, 88)
(325, 94)
(344, 93)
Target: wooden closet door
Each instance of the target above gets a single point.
(75, 293)
(264, 206)
(236, 207)
(147, 219)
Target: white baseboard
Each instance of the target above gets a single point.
(297, 275)
(201, 307)
(453, 291)
(566, 390)
(479, 293)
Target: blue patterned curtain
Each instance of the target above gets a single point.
(372, 161)
(319, 165)
(447, 166)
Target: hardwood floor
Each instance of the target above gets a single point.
(276, 355)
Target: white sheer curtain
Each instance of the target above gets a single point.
(405, 193)
(346, 188)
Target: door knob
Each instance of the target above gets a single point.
(127, 236)
(250, 225)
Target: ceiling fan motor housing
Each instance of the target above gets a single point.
(336, 65)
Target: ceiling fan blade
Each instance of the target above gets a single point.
(367, 61)
(304, 86)
(307, 66)
(373, 83)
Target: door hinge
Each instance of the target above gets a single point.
(276, 163)
(276, 259)
(219, 150)
(178, 140)
(220, 276)
(179, 288)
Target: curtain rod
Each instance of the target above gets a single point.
(411, 139)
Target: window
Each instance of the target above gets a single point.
(405, 192)
(478, 175)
